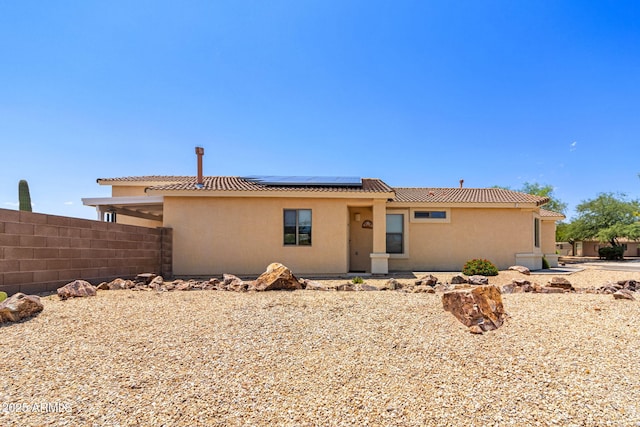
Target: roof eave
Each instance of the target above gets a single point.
(508, 205)
(271, 193)
(149, 183)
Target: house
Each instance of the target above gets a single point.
(564, 248)
(590, 248)
(331, 225)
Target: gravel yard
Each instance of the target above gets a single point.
(311, 358)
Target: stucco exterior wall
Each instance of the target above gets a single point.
(132, 191)
(242, 236)
(493, 233)
(140, 222)
(127, 190)
(548, 237)
(590, 248)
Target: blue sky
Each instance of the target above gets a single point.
(418, 93)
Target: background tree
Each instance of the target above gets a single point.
(563, 232)
(545, 190)
(24, 197)
(607, 218)
(542, 190)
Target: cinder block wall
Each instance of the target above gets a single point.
(39, 252)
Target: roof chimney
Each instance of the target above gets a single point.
(461, 182)
(199, 153)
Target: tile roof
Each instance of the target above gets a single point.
(465, 195)
(234, 183)
(550, 214)
(148, 178)
(369, 185)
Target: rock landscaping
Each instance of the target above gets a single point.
(19, 306)
(169, 352)
(279, 277)
(472, 300)
(480, 307)
(191, 356)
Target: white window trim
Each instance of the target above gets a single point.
(405, 233)
(446, 220)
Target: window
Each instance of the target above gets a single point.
(395, 233)
(297, 227)
(429, 214)
(536, 232)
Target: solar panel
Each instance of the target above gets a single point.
(320, 181)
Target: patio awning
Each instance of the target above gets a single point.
(146, 207)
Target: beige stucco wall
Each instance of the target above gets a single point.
(127, 190)
(132, 191)
(590, 248)
(548, 237)
(130, 220)
(242, 236)
(493, 233)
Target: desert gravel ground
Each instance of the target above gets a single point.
(311, 358)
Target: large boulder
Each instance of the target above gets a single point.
(391, 285)
(19, 306)
(624, 294)
(277, 277)
(145, 278)
(212, 284)
(520, 268)
(517, 286)
(478, 280)
(560, 282)
(182, 285)
(349, 287)
(233, 283)
(76, 289)
(156, 283)
(116, 284)
(428, 280)
(458, 280)
(479, 307)
(631, 285)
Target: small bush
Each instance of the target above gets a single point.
(357, 280)
(545, 264)
(482, 267)
(611, 252)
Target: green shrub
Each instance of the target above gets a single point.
(545, 264)
(611, 252)
(3, 296)
(482, 267)
(357, 280)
